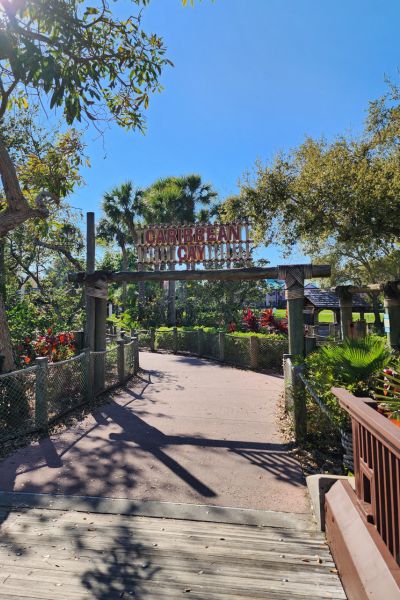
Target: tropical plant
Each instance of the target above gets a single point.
(352, 365)
(122, 207)
(355, 362)
(387, 392)
(176, 199)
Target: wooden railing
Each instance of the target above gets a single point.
(376, 443)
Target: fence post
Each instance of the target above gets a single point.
(199, 342)
(152, 339)
(121, 360)
(221, 340)
(79, 340)
(254, 350)
(88, 375)
(346, 310)
(41, 407)
(135, 353)
(392, 313)
(175, 340)
(299, 404)
(310, 344)
(2, 358)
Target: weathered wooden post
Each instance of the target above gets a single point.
(294, 293)
(391, 292)
(90, 268)
(346, 310)
(121, 360)
(221, 341)
(174, 340)
(199, 342)
(152, 339)
(135, 353)
(79, 337)
(254, 351)
(88, 375)
(310, 344)
(41, 393)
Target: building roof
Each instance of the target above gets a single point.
(330, 301)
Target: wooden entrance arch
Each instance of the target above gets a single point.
(96, 285)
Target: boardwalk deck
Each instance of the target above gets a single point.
(48, 553)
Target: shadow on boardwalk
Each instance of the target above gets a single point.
(171, 437)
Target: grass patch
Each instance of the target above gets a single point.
(328, 316)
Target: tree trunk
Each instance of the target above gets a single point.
(5, 340)
(378, 323)
(171, 319)
(124, 284)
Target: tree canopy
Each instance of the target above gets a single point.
(339, 200)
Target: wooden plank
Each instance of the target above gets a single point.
(245, 273)
(50, 553)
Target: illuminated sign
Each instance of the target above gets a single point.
(209, 244)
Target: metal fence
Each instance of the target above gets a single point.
(252, 352)
(33, 398)
(299, 391)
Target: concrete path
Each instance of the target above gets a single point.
(189, 431)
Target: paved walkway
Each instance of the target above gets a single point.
(189, 431)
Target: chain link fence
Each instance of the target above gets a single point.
(237, 351)
(17, 402)
(210, 345)
(188, 342)
(66, 385)
(252, 352)
(34, 397)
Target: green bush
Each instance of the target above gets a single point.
(352, 365)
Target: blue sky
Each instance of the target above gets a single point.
(251, 77)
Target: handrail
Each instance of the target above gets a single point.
(376, 443)
(360, 409)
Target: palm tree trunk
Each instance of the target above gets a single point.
(171, 319)
(124, 284)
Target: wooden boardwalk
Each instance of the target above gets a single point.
(65, 554)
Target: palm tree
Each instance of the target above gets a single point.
(122, 207)
(176, 199)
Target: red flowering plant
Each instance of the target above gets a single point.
(231, 327)
(56, 346)
(271, 324)
(387, 394)
(250, 320)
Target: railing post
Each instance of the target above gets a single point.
(221, 340)
(79, 337)
(135, 353)
(175, 340)
(310, 344)
(346, 310)
(299, 404)
(152, 339)
(254, 350)
(121, 360)
(88, 375)
(41, 407)
(392, 313)
(199, 342)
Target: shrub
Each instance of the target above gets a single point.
(352, 365)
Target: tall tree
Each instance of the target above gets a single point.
(122, 208)
(176, 199)
(339, 200)
(41, 159)
(78, 56)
